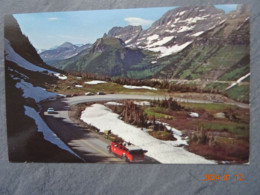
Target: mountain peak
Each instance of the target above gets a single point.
(106, 43)
(67, 45)
(127, 34)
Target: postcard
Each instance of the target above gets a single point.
(162, 85)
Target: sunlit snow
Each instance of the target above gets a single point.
(164, 151)
(165, 51)
(94, 82)
(138, 87)
(36, 93)
(161, 42)
(12, 56)
(197, 34)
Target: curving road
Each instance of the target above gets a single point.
(90, 145)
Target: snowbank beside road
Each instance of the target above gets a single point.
(47, 133)
(164, 151)
(95, 82)
(114, 104)
(138, 87)
(142, 103)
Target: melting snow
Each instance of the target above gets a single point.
(95, 82)
(46, 131)
(142, 103)
(114, 104)
(194, 115)
(20, 61)
(185, 28)
(194, 20)
(170, 50)
(151, 38)
(161, 42)
(36, 93)
(164, 151)
(197, 34)
(138, 87)
(222, 21)
(127, 41)
(181, 13)
(61, 76)
(238, 81)
(78, 86)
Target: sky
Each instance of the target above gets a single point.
(50, 29)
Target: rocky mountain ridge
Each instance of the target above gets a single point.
(185, 43)
(64, 51)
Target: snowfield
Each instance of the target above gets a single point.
(94, 82)
(46, 131)
(161, 42)
(114, 104)
(197, 34)
(12, 56)
(142, 103)
(165, 51)
(164, 151)
(36, 93)
(151, 38)
(138, 87)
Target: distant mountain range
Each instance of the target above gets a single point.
(185, 43)
(64, 51)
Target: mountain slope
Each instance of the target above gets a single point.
(127, 34)
(29, 139)
(215, 54)
(108, 56)
(185, 43)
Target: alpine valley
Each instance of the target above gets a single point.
(185, 43)
(178, 89)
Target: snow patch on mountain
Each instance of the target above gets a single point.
(151, 38)
(197, 34)
(12, 56)
(185, 28)
(161, 42)
(36, 93)
(165, 51)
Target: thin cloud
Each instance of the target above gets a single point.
(53, 18)
(138, 21)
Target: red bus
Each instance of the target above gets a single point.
(127, 151)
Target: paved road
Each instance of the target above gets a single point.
(90, 145)
(96, 98)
